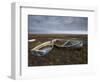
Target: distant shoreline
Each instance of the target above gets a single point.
(64, 33)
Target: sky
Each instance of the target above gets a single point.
(42, 24)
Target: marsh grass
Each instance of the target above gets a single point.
(58, 56)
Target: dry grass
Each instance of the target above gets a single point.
(58, 56)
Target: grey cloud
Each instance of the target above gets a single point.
(50, 24)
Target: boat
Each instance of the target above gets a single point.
(71, 43)
(42, 52)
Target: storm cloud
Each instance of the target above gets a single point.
(38, 24)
